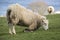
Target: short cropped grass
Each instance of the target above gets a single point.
(53, 33)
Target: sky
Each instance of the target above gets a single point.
(5, 3)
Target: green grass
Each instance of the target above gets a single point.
(53, 33)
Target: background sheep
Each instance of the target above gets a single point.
(50, 9)
(17, 14)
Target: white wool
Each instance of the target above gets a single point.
(20, 5)
(43, 17)
(51, 7)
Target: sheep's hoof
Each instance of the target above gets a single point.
(27, 30)
(14, 33)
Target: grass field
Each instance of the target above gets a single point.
(53, 33)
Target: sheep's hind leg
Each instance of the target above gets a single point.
(14, 32)
(10, 28)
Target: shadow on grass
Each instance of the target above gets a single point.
(2, 34)
(21, 32)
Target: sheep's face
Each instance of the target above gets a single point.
(50, 10)
(45, 24)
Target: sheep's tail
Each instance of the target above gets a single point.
(8, 12)
(8, 15)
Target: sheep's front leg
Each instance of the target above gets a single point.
(32, 27)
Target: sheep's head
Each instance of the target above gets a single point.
(50, 10)
(44, 23)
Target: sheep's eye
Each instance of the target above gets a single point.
(45, 23)
(42, 20)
